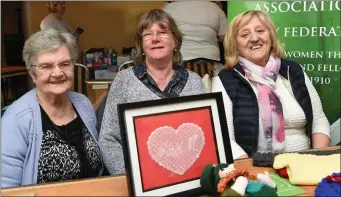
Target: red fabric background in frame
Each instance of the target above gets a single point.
(152, 174)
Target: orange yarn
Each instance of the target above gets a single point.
(232, 176)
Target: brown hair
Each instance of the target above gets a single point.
(230, 44)
(165, 21)
(52, 5)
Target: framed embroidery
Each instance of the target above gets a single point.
(168, 142)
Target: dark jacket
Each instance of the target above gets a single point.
(245, 105)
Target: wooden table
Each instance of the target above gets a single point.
(114, 185)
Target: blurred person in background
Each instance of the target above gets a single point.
(55, 17)
(203, 25)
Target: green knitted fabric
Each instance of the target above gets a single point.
(209, 178)
(259, 189)
(230, 192)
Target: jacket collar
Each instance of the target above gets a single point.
(283, 71)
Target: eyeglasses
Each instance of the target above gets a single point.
(160, 34)
(48, 68)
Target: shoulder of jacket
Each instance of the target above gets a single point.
(77, 96)
(25, 104)
(227, 73)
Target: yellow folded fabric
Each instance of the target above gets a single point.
(304, 169)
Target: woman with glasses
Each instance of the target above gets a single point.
(49, 134)
(157, 74)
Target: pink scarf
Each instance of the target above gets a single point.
(270, 106)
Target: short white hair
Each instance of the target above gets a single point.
(48, 40)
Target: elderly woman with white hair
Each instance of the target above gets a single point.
(49, 134)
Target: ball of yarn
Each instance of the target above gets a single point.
(327, 188)
(282, 172)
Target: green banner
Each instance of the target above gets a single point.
(310, 33)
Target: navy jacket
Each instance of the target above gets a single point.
(245, 105)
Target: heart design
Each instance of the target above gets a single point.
(176, 150)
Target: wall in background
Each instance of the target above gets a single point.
(8, 22)
(105, 24)
(8, 11)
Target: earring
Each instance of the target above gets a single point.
(143, 54)
(175, 49)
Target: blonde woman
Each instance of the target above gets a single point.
(270, 104)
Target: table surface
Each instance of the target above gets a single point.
(115, 185)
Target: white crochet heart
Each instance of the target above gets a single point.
(176, 150)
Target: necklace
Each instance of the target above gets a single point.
(72, 112)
